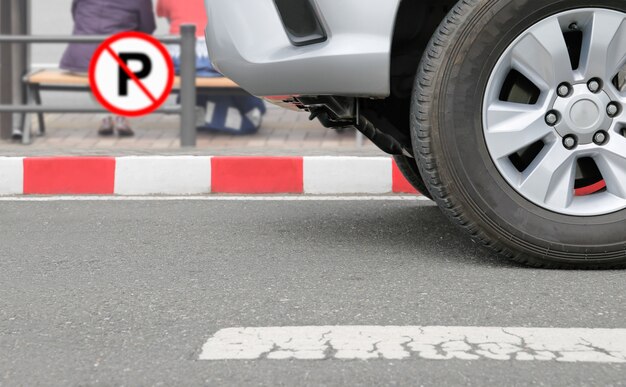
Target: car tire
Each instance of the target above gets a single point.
(449, 137)
(410, 171)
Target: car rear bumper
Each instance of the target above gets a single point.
(248, 43)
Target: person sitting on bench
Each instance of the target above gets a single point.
(234, 114)
(97, 17)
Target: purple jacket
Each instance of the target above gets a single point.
(105, 17)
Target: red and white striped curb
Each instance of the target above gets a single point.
(198, 175)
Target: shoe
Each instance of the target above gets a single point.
(122, 126)
(106, 127)
(16, 135)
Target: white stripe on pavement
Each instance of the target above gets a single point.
(212, 198)
(433, 343)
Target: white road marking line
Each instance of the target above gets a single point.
(211, 198)
(433, 343)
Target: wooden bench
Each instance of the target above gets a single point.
(58, 80)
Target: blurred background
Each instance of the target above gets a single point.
(282, 131)
(53, 17)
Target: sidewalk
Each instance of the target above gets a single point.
(289, 155)
(284, 132)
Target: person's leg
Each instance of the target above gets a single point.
(106, 127)
(252, 110)
(215, 112)
(232, 114)
(122, 126)
(227, 113)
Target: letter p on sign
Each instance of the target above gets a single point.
(131, 74)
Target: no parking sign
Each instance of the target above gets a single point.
(131, 74)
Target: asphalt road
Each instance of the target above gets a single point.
(126, 293)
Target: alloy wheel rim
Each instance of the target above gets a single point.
(554, 115)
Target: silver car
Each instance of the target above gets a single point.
(510, 114)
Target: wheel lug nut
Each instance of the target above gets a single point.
(570, 142)
(563, 90)
(612, 109)
(552, 118)
(594, 85)
(600, 138)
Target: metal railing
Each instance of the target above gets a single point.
(186, 110)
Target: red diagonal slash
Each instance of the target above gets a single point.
(132, 75)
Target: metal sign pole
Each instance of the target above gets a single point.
(6, 70)
(20, 11)
(188, 86)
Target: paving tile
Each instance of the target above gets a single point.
(282, 130)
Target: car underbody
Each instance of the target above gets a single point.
(385, 121)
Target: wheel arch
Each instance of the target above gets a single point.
(415, 23)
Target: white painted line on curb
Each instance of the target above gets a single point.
(216, 198)
(347, 175)
(432, 343)
(11, 175)
(174, 175)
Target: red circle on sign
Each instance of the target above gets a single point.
(105, 47)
